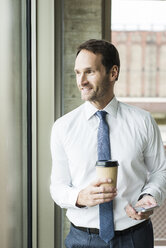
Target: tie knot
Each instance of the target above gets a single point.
(101, 114)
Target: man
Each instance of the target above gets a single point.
(135, 143)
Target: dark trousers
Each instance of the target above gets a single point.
(139, 238)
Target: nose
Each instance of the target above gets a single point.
(82, 80)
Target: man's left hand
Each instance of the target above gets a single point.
(146, 200)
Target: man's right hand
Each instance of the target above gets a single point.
(96, 193)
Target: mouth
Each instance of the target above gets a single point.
(86, 90)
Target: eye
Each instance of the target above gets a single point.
(77, 73)
(89, 71)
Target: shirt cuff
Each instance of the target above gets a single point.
(73, 198)
(141, 196)
(155, 195)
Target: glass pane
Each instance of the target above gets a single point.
(12, 125)
(139, 33)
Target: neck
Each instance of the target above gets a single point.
(101, 104)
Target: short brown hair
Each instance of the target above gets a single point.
(110, 55)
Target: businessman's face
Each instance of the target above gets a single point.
(92, 80)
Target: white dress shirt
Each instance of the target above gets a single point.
(136, 144)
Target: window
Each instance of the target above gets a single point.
(139, 32)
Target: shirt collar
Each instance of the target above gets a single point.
(111, 108)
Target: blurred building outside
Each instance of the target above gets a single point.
(139, 32)
(142, 79)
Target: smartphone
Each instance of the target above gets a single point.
(145, 208)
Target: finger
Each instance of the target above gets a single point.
(100, 181)
(100, 201)
(137, 216)
(105, 196)
(147, 200)
(105, 189)
(146, 215)
(130, 211)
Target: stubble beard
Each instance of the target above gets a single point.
(98, 94)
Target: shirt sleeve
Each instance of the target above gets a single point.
(61, 189)
(155, 160)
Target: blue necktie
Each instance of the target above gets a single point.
(106, 209)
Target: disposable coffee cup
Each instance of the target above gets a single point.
(107, 169)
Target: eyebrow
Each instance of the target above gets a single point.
(85, 69)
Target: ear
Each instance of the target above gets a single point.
(114, 73)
